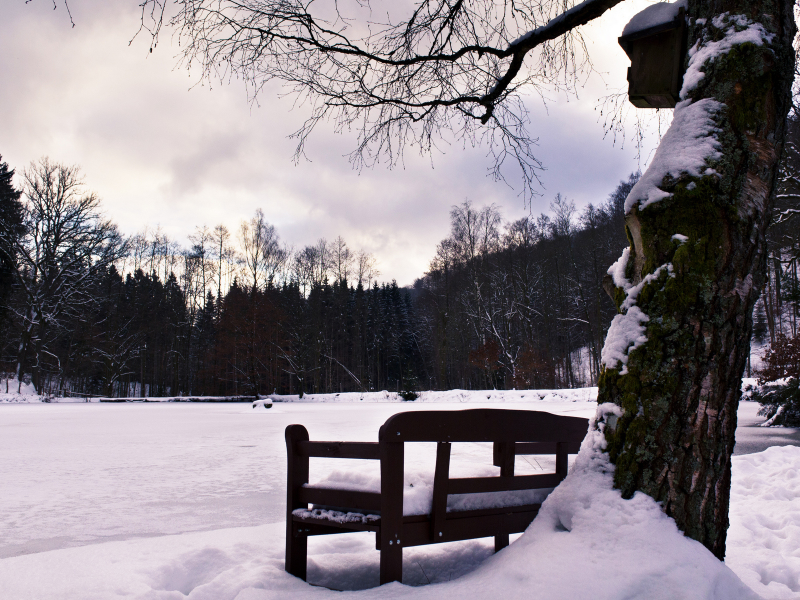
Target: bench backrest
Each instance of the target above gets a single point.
(513, 432)
(482, 425)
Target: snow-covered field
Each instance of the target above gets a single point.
(169, 501)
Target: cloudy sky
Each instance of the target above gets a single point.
(162, 151)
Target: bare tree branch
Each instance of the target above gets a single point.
(55, 6)
(449, 68)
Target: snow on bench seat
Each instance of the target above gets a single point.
(418, 489)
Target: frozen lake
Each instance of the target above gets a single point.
(78, 474)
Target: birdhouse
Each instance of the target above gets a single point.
(657, 49)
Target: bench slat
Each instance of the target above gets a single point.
(484, 512)
(482, 425)
(490, 525)
(477, 485)
(468, 525)
(314, 526)
(362, 450)
(348, 499)
(544, 447)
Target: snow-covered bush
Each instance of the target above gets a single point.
(780, 402)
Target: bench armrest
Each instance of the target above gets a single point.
(362, 450)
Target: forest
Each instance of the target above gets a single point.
(85, 310)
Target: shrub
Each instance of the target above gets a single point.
(781, 360)
(780, 402)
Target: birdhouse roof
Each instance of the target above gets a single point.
(654, 16)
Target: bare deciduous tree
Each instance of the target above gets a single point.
(67, 245)
(341, 259)
(201, 251)
(224, 255)
(263, 255)
(366, 268)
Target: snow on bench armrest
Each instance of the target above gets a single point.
(335, 516)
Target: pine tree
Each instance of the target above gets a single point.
(10, 231)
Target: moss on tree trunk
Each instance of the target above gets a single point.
(682, 387)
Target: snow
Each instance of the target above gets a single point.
(617, 270)
(554, 22)
(335, 516)
(764, 536)
(771, 420)
(705, 51)
(174, 501)
(685, 149)
(117, 471)
(15, 393)
(633, 291)
(469, 460)
(680, 238)
(757, 353)
(626, 332)
(652, 16)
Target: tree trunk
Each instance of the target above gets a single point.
(24, 344)
(680, 388)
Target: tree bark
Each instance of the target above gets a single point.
(682, 386)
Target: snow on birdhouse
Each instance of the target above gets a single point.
(655, 41)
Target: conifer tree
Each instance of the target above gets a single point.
(11, 230)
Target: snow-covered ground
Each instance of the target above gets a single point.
(169, 501)
(12, 391)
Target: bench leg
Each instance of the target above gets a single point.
(296, 550)
(391, 530)
(500, 542)
(391, 563)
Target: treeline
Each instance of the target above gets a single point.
(85, 310)
(142, 339)
(522, 304)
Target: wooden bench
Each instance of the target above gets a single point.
(513, 432)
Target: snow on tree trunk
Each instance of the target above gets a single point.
(685, 290)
